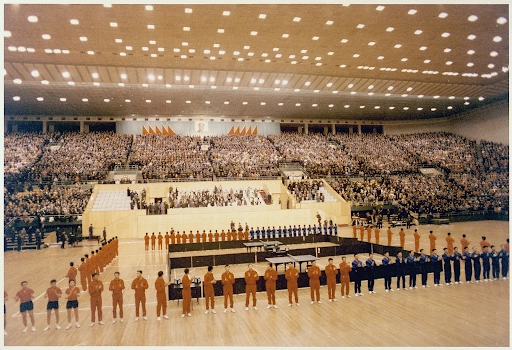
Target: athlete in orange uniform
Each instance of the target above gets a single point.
(464, 241)
(140, 284)
(270, 285)
(88, 269)
(331, 271)
(203, 237)
(251, 277)
(167, 238)
(183, 237)
(216, 236)
(72, 294)
(160, 240)
(314, 282)
(83, 274)
(223, 236)
(173, 237)
(95, 289)
(116, 286)
(146, 242)
(432, 239)
(369, 233)
(377, 235)
(72, 272)
(484, 243)
(53, 294)
(198, 237)
(186, 293)
(449, 243)
(153, 241)
(345, 277)
(161, 300)
(390, 234)
(99, 260)
(402, 238)
(361, 233)
(190, 237)
(93, 267)
(210, 236)
(292, 275)
(209, 293)
(228, 279)
(417, 241)
(354, 231)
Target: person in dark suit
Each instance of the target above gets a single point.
(357, 270)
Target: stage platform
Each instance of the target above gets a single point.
(283, 210)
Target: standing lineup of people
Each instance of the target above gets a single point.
(232, 234)
(477, 263)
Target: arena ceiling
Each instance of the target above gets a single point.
(348, 62)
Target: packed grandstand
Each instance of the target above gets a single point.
(363, 169)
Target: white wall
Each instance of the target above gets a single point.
(489, 123)
(417, 126)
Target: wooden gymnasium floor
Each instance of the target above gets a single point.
(455, 315)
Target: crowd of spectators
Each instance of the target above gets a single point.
(495, 157)
(306, 190)
(427, 194)
(466, 183)
(375, 154)
(170, 156)
(21, 151)
(47, 201)
(314, 152)
(243, 156)
(81, 156)
(450, 152)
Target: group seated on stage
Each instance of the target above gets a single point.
(217, 197)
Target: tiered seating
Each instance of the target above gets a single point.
(111, 200)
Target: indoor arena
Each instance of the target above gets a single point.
(256, 175)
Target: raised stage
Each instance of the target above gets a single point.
(135, 223)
